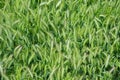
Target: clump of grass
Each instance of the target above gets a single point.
(59, 40)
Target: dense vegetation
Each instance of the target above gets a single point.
(59, 39)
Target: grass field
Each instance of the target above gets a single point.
(59, 39)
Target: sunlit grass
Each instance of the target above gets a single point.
(59, 40)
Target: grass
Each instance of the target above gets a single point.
(59, 39)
